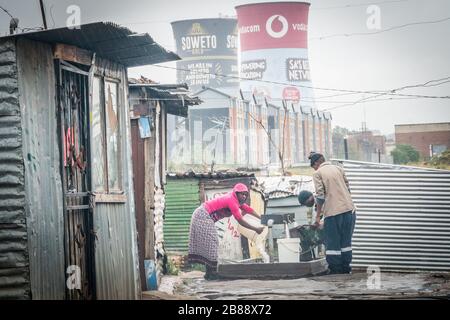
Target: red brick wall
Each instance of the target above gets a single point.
(421, 140)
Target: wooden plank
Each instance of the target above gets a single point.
(72, 53)
(257, 203)
(110, 198)
(77, 194)
(149, 194)
(202, 191)
(222, 183)
(163, 144)
(271, 270)
(77, 207)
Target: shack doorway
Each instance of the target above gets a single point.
(79, 236)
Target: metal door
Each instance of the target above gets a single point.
(78, 200)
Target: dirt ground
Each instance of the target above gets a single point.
(191, 285)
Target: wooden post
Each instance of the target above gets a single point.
(149, 196)
(44, 20)
(345, 149)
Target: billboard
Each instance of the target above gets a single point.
(274, 50)
(208, 48)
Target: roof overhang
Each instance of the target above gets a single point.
(108, 40)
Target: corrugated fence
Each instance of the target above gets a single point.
(14, 263)
(182, 198)
(43, 188)
(403, 216)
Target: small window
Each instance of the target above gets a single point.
(106, 171)
(98, 155)
(112, 135)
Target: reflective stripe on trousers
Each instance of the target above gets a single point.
(338, 232)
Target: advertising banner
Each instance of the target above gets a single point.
(208, 48)
(273, 48)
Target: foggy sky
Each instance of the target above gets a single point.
(407, 56)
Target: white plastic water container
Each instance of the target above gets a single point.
(288, 250)
(250, 234)
(258, 239)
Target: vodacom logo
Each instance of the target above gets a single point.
(284, 29)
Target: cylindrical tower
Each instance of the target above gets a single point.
(274, 49)
(208, 48)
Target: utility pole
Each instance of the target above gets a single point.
(345, 148)
(44, 20)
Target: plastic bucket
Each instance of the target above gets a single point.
(288, 250)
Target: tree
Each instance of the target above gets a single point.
(338, 135)
(442, 160)
(404, 153)
(280, 151)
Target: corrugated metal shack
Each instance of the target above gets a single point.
(403, 216)
(149, 106)
(66, 204)
(282, 193)
(186, 191)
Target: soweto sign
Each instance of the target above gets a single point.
(208, 48)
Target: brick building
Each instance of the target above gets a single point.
(427, 138)
(367, 146)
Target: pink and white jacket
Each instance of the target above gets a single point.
(228, 204)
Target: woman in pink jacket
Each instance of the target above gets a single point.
(203, 238)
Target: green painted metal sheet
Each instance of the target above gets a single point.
(182, 198)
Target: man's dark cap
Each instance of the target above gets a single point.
(313, 157)
(304, 196)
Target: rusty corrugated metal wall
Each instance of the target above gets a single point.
(44, 198)
(116, 251)
(14, 263)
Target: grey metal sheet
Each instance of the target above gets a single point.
(116, 251)
(14, 260)
(403, 216)
(114, 259)
(44, 199)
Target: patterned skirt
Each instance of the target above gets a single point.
(203, 239)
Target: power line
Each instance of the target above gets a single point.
(358, 5)
(279, 99)
(304, 86)
(235, 16)
(378, 32)
(9, 14)
(426, 84)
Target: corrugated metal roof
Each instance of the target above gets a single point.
(214, 90)
(177, 98)
(108, 40)
(215, 175)
(281, 187)
(403, 216)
